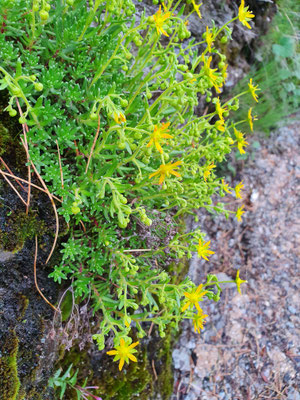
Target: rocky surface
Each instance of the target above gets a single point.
(250, 347)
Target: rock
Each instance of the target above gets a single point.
(181, 359)
(207, 359)
(5, 255)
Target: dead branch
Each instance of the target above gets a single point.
(35, 277)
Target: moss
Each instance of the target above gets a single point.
(24, 302)
(135, 382)
(18, 228)
(165, 377)
(10, 148)
(9, 381)
(5, 139)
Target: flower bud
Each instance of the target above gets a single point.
(138, 135)
(93, 116)
(44, 15)
(124, 102)
(123, 225)
(75, 209)
(123, 199)
(16, 91)
(38, 86)
(12, 112)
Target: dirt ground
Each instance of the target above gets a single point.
(250, 347)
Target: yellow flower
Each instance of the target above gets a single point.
(239, 213)
(251, 119)
(193, 298)
(209, 38)
(159, 20)
(219, 109)
(224, 72)
(241, 142)
(207, 171)
(238, 189)
(123, 352)
(203, 250)
(158, 134)
(253, 89)
(220, 125)
(210, 73)
(165, 170)
(119, 117)
(198, 321)
(245, 15)
(225, 187)
(196, 8)
(127, 321)
(239, 281)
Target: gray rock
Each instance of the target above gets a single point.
(181, 359)
(5, 255)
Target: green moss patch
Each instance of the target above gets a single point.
(9, 381)
(18, 228)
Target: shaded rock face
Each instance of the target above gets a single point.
(26, 356)
(23, 321)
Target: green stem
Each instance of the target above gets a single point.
(22, 96)
(121, 39)
(32, 24)
(217, 282)
(89, 19)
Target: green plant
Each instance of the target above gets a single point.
(107, 108)
(276, 69)
(69, 379)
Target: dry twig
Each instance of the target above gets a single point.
(35, 277)
(9, 170)
(154, 370)
(13, 188)
(31, 184)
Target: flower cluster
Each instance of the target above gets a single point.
(109, 115)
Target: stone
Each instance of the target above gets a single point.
(208, 357)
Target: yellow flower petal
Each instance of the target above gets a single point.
(132, 357)
(121, 364)
(133, 345)
(112, 352)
